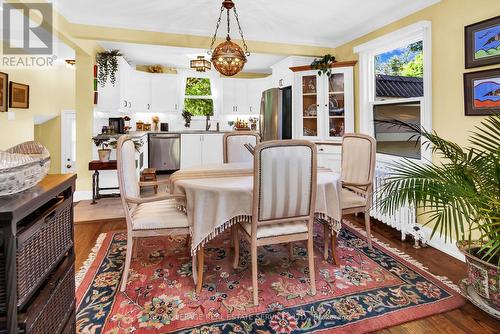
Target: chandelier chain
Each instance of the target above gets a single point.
(216, 29)
(241, 32)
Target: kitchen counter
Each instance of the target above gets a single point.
(139, 134)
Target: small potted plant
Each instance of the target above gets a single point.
(104, 152)
(460, 195)
(323, 64)
(107, 65)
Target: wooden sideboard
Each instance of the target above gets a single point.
(37, 273)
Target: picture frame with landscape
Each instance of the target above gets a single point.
(482, 92)
(4, 84)
(482, 43)
(19, 95)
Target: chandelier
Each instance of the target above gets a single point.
(200, 64)
(228, 57)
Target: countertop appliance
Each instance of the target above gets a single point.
(117, 124)
(276, 114)
(165, 151)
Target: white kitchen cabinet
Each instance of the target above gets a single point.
(165, 92)
(140, 93)
(201, 149)
(324, 106)
(191, 150)
(242, 96)
(329, 156)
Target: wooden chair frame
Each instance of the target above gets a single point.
(129, 203)
(309, 218)
(237, 133)
(365, 189)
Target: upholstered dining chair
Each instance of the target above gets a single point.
(358, 168)
(145, 216)
(284, 197)
(234, 149)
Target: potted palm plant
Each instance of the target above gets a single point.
(460, 195)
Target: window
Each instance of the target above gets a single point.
(395, 91)
(198, 97)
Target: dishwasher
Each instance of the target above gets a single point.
(164, 151)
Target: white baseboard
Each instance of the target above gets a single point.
(82, 195)
(448, 247)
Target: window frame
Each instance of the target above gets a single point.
(420, 31)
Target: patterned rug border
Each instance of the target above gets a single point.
(87, 264)
(406, 257)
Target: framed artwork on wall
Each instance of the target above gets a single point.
(482, 43)
(482, 92)
(4, 83)
(19, 95)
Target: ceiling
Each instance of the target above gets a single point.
(169, 56)
(320, 22)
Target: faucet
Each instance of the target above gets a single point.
(207, 123)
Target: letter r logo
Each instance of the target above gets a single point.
(27, 28)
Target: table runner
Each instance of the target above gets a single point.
(220, 196)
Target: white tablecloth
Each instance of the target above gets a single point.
(218, 197)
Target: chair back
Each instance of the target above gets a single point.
(234, 151)
(358, 160)
(285, 177)
(127, 176)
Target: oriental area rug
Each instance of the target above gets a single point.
(369, 290)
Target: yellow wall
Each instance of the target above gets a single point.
(448, 19)
(51, 91)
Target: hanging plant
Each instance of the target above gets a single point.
(323, 64)
(107, 64)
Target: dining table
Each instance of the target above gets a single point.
(219, 196)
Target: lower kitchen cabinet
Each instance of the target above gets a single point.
(201, 149)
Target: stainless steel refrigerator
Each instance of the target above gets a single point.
(276, 114)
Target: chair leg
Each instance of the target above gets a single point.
(368, 232)
(254, 273)
(126, 266)
(326, 232)
(232, 236)
(310, 254)
(335, 256)
(199, 260)
(236, 243)
(135, 247)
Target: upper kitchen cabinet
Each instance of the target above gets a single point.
(165, 92)
(242, 96)
(131, 91)
(324, 105)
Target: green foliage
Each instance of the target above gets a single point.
(414, 68)
(198, 87)
(323, 64)
(107, 65)
(410, 63)
(460, 194)
(199, 107)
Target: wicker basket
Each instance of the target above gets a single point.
(22, 167)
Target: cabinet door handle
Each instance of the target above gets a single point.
(148, 106)
(250, 108)
(321, 149)
(124, 103)
(176, 106)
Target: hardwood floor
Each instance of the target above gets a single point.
(467, 319)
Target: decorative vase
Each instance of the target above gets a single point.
(22, 167)
(104, 154)
(481, 286)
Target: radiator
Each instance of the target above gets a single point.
(404, 219)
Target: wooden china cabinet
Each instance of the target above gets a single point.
(324, 105)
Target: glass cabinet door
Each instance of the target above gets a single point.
(336, 105)
(309, 106)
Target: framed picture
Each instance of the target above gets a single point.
(19, 95)
(4, 83)
(482, 43)
(482, 92)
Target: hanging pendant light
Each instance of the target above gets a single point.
(228, 57)
(200, 64)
